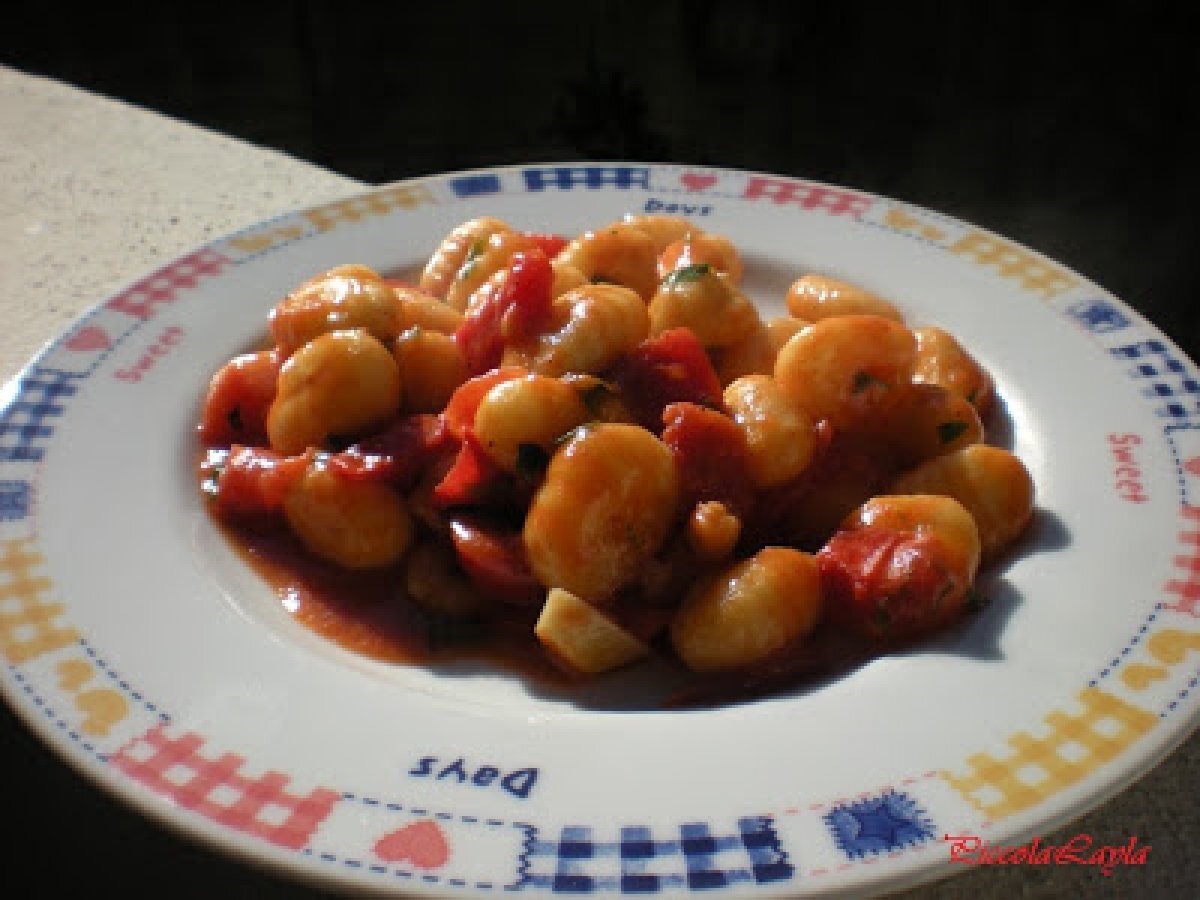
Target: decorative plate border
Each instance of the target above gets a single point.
(54, 673)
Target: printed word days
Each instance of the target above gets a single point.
(161, 346)
(1127, 474)
(518, 782)
(677, 209)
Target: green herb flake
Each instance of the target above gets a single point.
(976, 600)
(475, 251)
(863, 380)
(532, 459)
(595, 397)
(948, 432)
(688, 273)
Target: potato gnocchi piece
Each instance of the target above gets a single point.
(837, 368)
(619, 253)
(596, 324)
(356, 524)
(699, 248)
(526, 414)
(706, 302)
(748, 611)
(943, 361)
(992, 483)
(340, 383)
(482, 262)
(448, 259)
(431, 367)
(345, 297)
(605, 507)
(780, 437)
(816, 297)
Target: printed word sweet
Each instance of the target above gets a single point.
(519, 782)
(1079, 851)
(170, 336)
(1127, 473)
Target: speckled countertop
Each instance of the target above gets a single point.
(93, 194)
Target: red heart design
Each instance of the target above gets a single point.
(1193, 465)
(696, 182)
(421, 843)
(89, 337)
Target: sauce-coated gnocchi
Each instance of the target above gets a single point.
(584, 450)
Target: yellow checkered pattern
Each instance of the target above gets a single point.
(1041, 767)
(378, 203)
(29, 624)
(1011, 261)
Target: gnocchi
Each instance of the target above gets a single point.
(589, 450)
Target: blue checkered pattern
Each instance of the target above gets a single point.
(591, 177)
(475, 185)
(636, 862)
(1098, 315)
(26, 423)
(1169, 378)
(892, 821)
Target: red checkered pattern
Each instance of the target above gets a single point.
(215, 788)
(1187, 588)
(808, 196)
(142, 300)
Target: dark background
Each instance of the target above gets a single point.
(1070, 133)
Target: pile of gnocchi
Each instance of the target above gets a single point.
(600, 440)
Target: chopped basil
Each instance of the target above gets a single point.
(976, 599)
(595, 396)
(210, 471)
(603, 279)
(532, 459)
(950, 431)
(694, 272)
(863, 380)
(473, 253)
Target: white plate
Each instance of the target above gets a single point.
(139, 646)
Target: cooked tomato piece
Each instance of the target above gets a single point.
(710, 457)
(472, 480)
(459, 414)
(398, 454)
(886, 585)
(239, 395)
(253, 481)
(493, 556)
(664, 369)
(518, 309)
(550, 244)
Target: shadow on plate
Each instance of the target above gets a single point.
(661, 685)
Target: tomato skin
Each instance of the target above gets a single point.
(399, 454)
(459, 414)
(518, 309)
(494, 559)
(239, 395)
(468, 480)
(254, 481)
(667, 368)
(550, 244)
(886, 585)
(710, 457)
